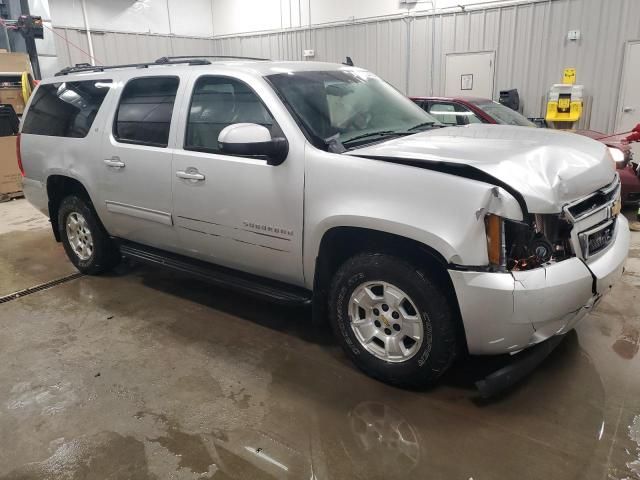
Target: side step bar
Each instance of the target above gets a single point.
(272, 290)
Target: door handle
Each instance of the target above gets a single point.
(628, 109)
(114, 162)
(190, 175)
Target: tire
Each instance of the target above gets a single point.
(428, 316)
(103, 254)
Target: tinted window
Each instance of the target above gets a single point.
(504, 115)
(144, 113)
(445, 113)
(470, 117)
(65, 109)
(216, 103)
(453, 114)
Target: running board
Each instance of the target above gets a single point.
(272, 290)
(522, 364)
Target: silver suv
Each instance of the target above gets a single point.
(318, 183)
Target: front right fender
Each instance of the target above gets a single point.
(439, 245)
(440, 210)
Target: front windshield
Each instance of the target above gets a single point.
(504, 115)
(352, 106)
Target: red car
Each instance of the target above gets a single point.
(468, 110)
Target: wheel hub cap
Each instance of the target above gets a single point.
(79, 236)
(385, 321)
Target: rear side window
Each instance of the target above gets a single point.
(65, 109)
(144, 113)
(445, 113)
(453, 114)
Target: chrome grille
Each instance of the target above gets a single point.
(605, 198)
(598, 238)
(594, 220)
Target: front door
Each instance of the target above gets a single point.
(235, 211)
(135, 187)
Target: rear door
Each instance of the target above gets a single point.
(136, 170)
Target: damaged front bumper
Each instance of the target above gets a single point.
(507, 312)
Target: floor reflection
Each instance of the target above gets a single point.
(182, 380)
(548, 428)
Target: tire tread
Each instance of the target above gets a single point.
(441, 319)
(106, 254)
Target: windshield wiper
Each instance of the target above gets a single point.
(423, 124)
(391, 133)
(381, 133)
(334, 145)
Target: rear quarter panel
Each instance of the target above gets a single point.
(78, 158)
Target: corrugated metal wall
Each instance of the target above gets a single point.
(120, 48)
(530, 41)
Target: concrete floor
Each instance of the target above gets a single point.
(143, 374)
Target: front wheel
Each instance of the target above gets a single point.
(85, 240)
(392, 320)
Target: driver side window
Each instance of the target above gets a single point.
(217, 102)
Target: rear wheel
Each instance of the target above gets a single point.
(392, 320)
(85, 240)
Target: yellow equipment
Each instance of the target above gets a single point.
(569, 76)
(565, 101)
(26, 86)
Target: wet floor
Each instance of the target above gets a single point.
(144, 374)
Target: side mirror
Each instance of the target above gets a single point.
(251, 139)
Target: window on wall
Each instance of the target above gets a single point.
(216, 103)
(65, 109)
(145, 109)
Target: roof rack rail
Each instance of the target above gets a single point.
(230, 57)
(85, 67)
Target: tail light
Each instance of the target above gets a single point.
(18, 155)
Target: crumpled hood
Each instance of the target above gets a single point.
(548, 168)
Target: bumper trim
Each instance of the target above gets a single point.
(507, 312)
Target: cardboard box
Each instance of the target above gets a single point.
(10, 177)
(13, 65)
(14, 97)
(15, 62)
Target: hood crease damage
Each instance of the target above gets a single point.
(543, 169)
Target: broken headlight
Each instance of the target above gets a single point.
(514, 245)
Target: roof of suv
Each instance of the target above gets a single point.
(259, 67)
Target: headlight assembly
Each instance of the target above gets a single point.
(513, 245)
(618, 156)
